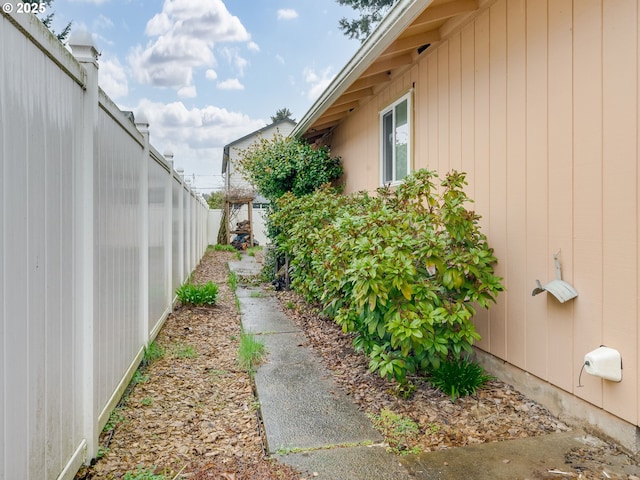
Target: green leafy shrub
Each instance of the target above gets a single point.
(459, 377)
(284, 164)
(403, 270)
(192, 294)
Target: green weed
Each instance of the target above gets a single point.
(153, 352)
(232, 280)
(115, 418)
(399, 431)
(250, 351)
(143, 474)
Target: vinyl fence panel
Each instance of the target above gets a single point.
(96, 232)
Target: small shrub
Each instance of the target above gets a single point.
(192, 294)
(250, 351)
(458, 377)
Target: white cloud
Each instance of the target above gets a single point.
(318, 81)
(287, 14)
(230, 84)
(211, 74)
(112, 77)
(183, 36)
(253, 46)
(280, 59)
(188, 92)
(233, 57)
(195, 136)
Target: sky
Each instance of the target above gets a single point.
(207, 72)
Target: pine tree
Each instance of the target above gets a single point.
(371, 12)
(282, 114)
(47, 20)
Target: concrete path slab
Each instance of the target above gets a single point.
(525, 458)
(355, 463)
(301, 406)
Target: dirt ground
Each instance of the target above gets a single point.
(192, 413)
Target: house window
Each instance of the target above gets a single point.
(395, 145)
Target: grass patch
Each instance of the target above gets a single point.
(257, 294)
(192, 294)
(183, 350)
(250, 351)
(223, 248)
(253, 250)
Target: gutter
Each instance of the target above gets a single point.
(394, 23)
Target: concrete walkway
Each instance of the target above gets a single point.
(312, 425)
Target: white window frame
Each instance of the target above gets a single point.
(391, 109)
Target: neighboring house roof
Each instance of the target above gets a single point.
(409, 28)
(227, 148)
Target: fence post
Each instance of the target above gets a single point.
(143, 127)
(86, 53)
(181, 239)
(168, 231)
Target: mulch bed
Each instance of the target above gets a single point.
(192, 414)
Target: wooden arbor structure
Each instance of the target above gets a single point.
(232, 207)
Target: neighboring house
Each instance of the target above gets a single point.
(538, 102)
(233, 180)
(235, 186)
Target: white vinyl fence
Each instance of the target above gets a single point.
(97, 231)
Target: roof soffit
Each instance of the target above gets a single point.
(409, 28)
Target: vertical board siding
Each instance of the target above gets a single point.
(43, 383)
(537, 101)
(560, 178)
(619, 183)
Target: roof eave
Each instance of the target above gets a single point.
(394, 23)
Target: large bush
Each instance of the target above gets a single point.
(283, 164)
(403, 270)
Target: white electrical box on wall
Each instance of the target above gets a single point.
(604, 362)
